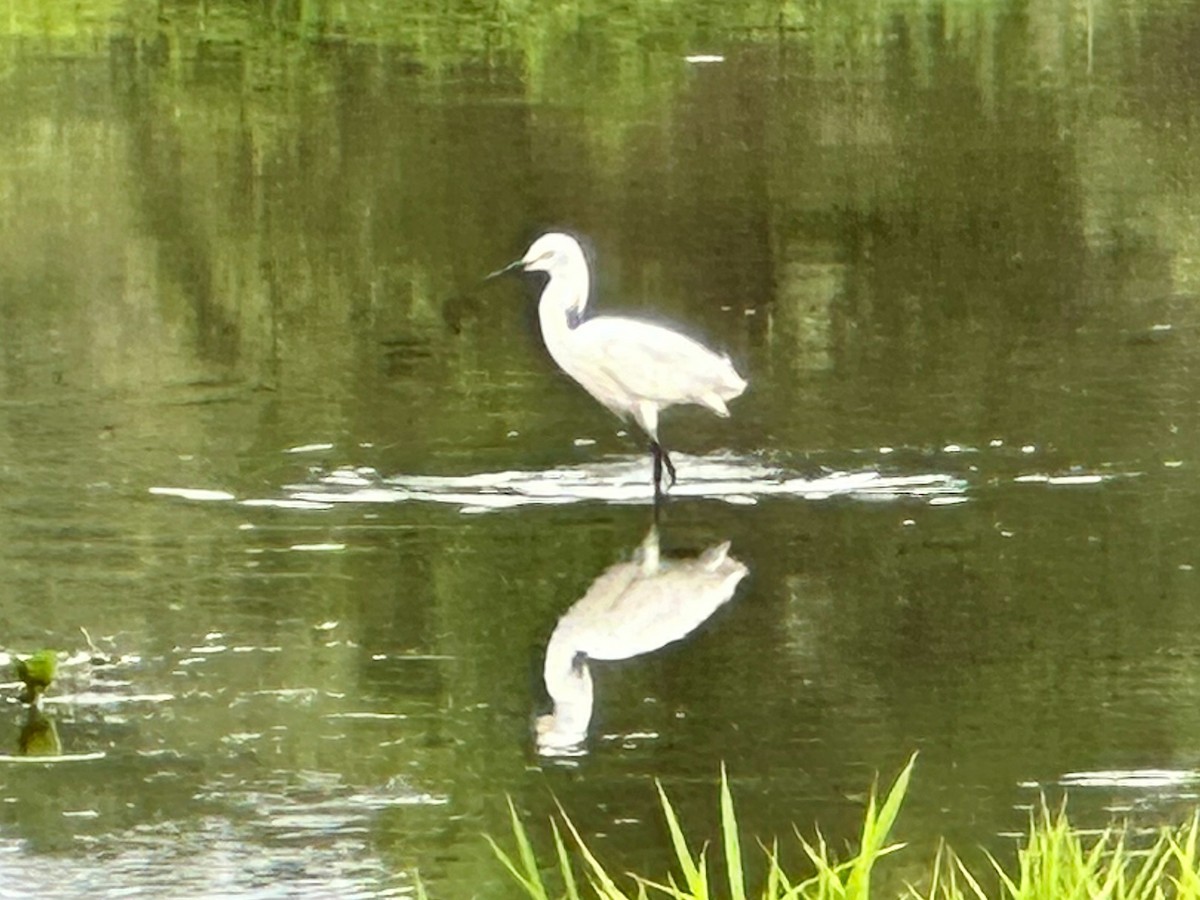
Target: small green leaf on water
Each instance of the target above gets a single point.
(36, 672)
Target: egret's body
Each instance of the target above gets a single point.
(632, 608)
(633, 367)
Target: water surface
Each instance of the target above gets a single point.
(301, 502)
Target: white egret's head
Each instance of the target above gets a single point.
(569, 683)
(562, 258)
(556, 253)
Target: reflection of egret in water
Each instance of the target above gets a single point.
(633, 608)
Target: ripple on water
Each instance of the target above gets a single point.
(59, 759)
(1140, 779)
(1127, 791)
(215, 859)
(624, 480)
(186, 493)
(729, 477)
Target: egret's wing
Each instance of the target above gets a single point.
(626, 613)
(650, 362)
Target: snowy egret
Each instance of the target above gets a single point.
(633, 367)
(632, 608)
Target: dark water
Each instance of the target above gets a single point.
(300, 502)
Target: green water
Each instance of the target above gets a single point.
(952, 246)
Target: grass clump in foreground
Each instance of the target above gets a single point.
(1054, 862)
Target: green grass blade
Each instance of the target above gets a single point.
(1053, 862)
(1006, 880)
(876, 827)
(513, 870)
(564, 863)
(527, 873)
(935, 877)
(1151, 871)
(891, 806)
(671, 889)
(733, 846)
(691, 871)
(970, 880)
(600, 880)
(776, 883)
(1180, 846)
(525, 848)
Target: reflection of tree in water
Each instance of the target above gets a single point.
(172, 210)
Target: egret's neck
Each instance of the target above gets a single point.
(562, 304)
(569, 684)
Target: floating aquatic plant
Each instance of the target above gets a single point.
(36, 673)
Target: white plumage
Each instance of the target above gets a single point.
(631, 609)
(633, 367)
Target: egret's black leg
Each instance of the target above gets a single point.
(661, 459)
(670, 465)
(656, 453)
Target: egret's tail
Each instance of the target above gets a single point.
(730, 386)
